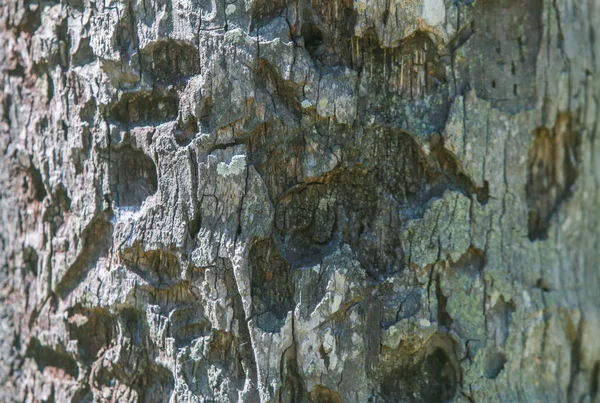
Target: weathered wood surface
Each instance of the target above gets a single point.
(294, 201)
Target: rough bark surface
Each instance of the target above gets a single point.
(299, 200)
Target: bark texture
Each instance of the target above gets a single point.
(299, 200)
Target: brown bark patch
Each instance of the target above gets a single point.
(551, 172)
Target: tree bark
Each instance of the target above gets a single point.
(299, 201)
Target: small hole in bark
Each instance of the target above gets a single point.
(171, 62)
(494, 364)
(433, 379)
(34, 184)
(542, 285)
(313, 37)
(322, 394)
(194, 226)
(133, 175)
(147, 108)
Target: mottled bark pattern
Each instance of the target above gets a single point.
(299, 201)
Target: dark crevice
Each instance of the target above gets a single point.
(293, 388)
(160, 269)
(207, 117)
(462, 36)
(594, 381)
(542, 285)
(444, 318)
(272, 285)
(362, 201)
(281, 90)
(31, 19)
(322, 394)
(189, 324)
(432, 377)
(92, 328)
(156, 384)
(145, 108)
(45, 356)
(264, 11)
(133, 176)
(456, 179)
(84, 53)
(473, 261)
(186, 131)
(33, 184)
(407, 72)
(126, 35)
(194, 225)
(30, 260)
(327, 30)
(170, 62)
(96, 241)
(313, 37)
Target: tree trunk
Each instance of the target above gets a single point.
(299, 201)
